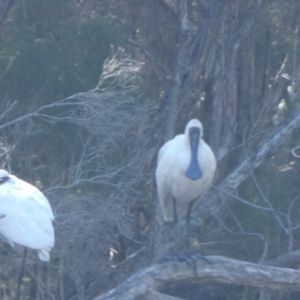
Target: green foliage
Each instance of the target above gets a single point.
(51, 50)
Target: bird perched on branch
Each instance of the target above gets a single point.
(25, 215)
(25, 218)
(185, 170)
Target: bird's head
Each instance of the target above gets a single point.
(194, 129)
(4, 176)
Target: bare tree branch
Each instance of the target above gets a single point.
(150, 58)
(294, 151)
(235, 178)
(287, 260)
(223, 270)
(5, 6)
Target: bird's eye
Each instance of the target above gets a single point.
(3, 179)
(194, 131)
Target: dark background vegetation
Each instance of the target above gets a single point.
(91, 89)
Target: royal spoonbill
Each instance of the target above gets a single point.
(25, 218)
(185, 170)
(26, 215)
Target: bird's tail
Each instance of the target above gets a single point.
(44, 254)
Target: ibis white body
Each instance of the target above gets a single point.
(174, 160)
(25, 215)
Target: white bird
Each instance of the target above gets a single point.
(25, 215)
(185, 170)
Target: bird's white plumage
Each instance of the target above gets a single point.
(173, 160)
(26, 215)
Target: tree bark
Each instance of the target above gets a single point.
(225, 270)
(5, 6)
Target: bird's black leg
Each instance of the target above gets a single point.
(175, 229)
(190, 255)
(188, 228)
(174, 236)
(21, 274)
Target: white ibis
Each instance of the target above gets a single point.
(185, 170)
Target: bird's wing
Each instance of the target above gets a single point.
(28, 215)
(30, 196)
(164, 149)
(164, 176)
